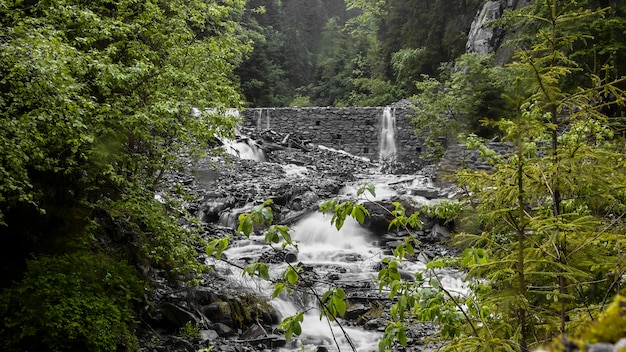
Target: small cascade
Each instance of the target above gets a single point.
(260, 126)
(318, 334)
(342, 256)
(245, 148)
(321, 242)
(387, 140)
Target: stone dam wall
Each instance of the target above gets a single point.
(356, 130)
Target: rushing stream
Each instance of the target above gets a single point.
(349, 258)
(346, 258)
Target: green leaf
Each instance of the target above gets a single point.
(257, 269)
(402, 335)
(358, 214)
(291, 275)
(217, 246)
(271, 236)
(291, 325)
(246, 225)
(339, 306)
(278, 289)
(268, 215)
(366, 187)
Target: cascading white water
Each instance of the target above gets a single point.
(327, 249)
(245, 148)
(259, 119)
(324, 247)
(336, 258)
(387, 140)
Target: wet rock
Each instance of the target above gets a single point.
(180, 344)
(223, 330)
(208, 335)
(219, 312)
(275, 255)
(355, 311)
(211, 209)
(227, 348)
(437, 234)
(268, 342)
(426, 192)
(177, 315)
(621, 344)
(303, 201)
(599, 347)
(254, 332)
(377, 324)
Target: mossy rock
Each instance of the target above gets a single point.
(611, 324)
(240, 310)
(608, 329)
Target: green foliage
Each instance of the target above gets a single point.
(258, 216)
(393, 331)
(217, 246)
(401, 220)
(96, 106)
(295, 51)
(408, 64)
(257, 269)
(543, 208)
(373, 92)
(292, 325)
(334, 303)
(80, 301)
(153, 226)
(610, 325)
(468, 91)
(189, 331)
(341, 210)
(340, 53)
(300, 100)
(447, 210)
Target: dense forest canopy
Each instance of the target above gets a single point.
(336, 52)
(365, 52)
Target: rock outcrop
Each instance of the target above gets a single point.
(484, 38)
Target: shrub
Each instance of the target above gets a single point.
(80, 301)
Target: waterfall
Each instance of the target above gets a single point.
(259, 119)
(321, 243)
(387, 143)
(343, 256)
(245, 148)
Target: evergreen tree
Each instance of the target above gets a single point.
(547, 208)
(547, 254)
(263, 74)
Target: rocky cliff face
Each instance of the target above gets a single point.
(485, 39)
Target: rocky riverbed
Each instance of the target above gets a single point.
(224, 314)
